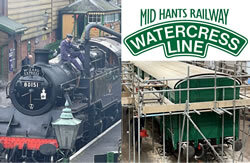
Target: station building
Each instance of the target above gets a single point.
(25, 26)
(74, 17)
(10, 46)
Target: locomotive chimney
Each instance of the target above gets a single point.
(42, 56)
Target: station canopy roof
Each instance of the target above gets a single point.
(10, 26)
(85, 6)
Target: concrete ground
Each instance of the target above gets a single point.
(247, 131)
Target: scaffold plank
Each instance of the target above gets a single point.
(127, 101)
(157, 108)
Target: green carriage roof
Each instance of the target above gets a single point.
(176, 70)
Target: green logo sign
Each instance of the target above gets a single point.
(185, 38)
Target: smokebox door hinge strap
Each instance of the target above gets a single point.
(48, 127)
(9, 124)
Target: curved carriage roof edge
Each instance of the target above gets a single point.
(208, 75)
(175, 70)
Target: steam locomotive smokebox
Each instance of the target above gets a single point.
(42, 56)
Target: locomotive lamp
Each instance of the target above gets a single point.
(45, 21)
(66, 128)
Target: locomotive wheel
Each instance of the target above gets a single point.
(238, 145)
(199, 152)
(191, 152)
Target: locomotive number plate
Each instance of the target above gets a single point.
(31, 84)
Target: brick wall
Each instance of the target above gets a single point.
(6, 73)
(116, 27)
(37, 43)
(22, 52)
(5, 63)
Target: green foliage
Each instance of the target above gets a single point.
(53, 46)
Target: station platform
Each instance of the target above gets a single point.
(108, 141)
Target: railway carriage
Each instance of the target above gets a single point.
(211, 122)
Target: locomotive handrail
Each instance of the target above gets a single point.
(67, 82)
(7, 90)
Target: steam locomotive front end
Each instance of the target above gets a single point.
(35, 91)
(31, 91)
(39, 91)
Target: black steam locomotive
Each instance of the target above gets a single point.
(39, 92)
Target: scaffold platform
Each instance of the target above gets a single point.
(154, 90)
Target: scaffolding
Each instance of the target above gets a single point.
(142, 99)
